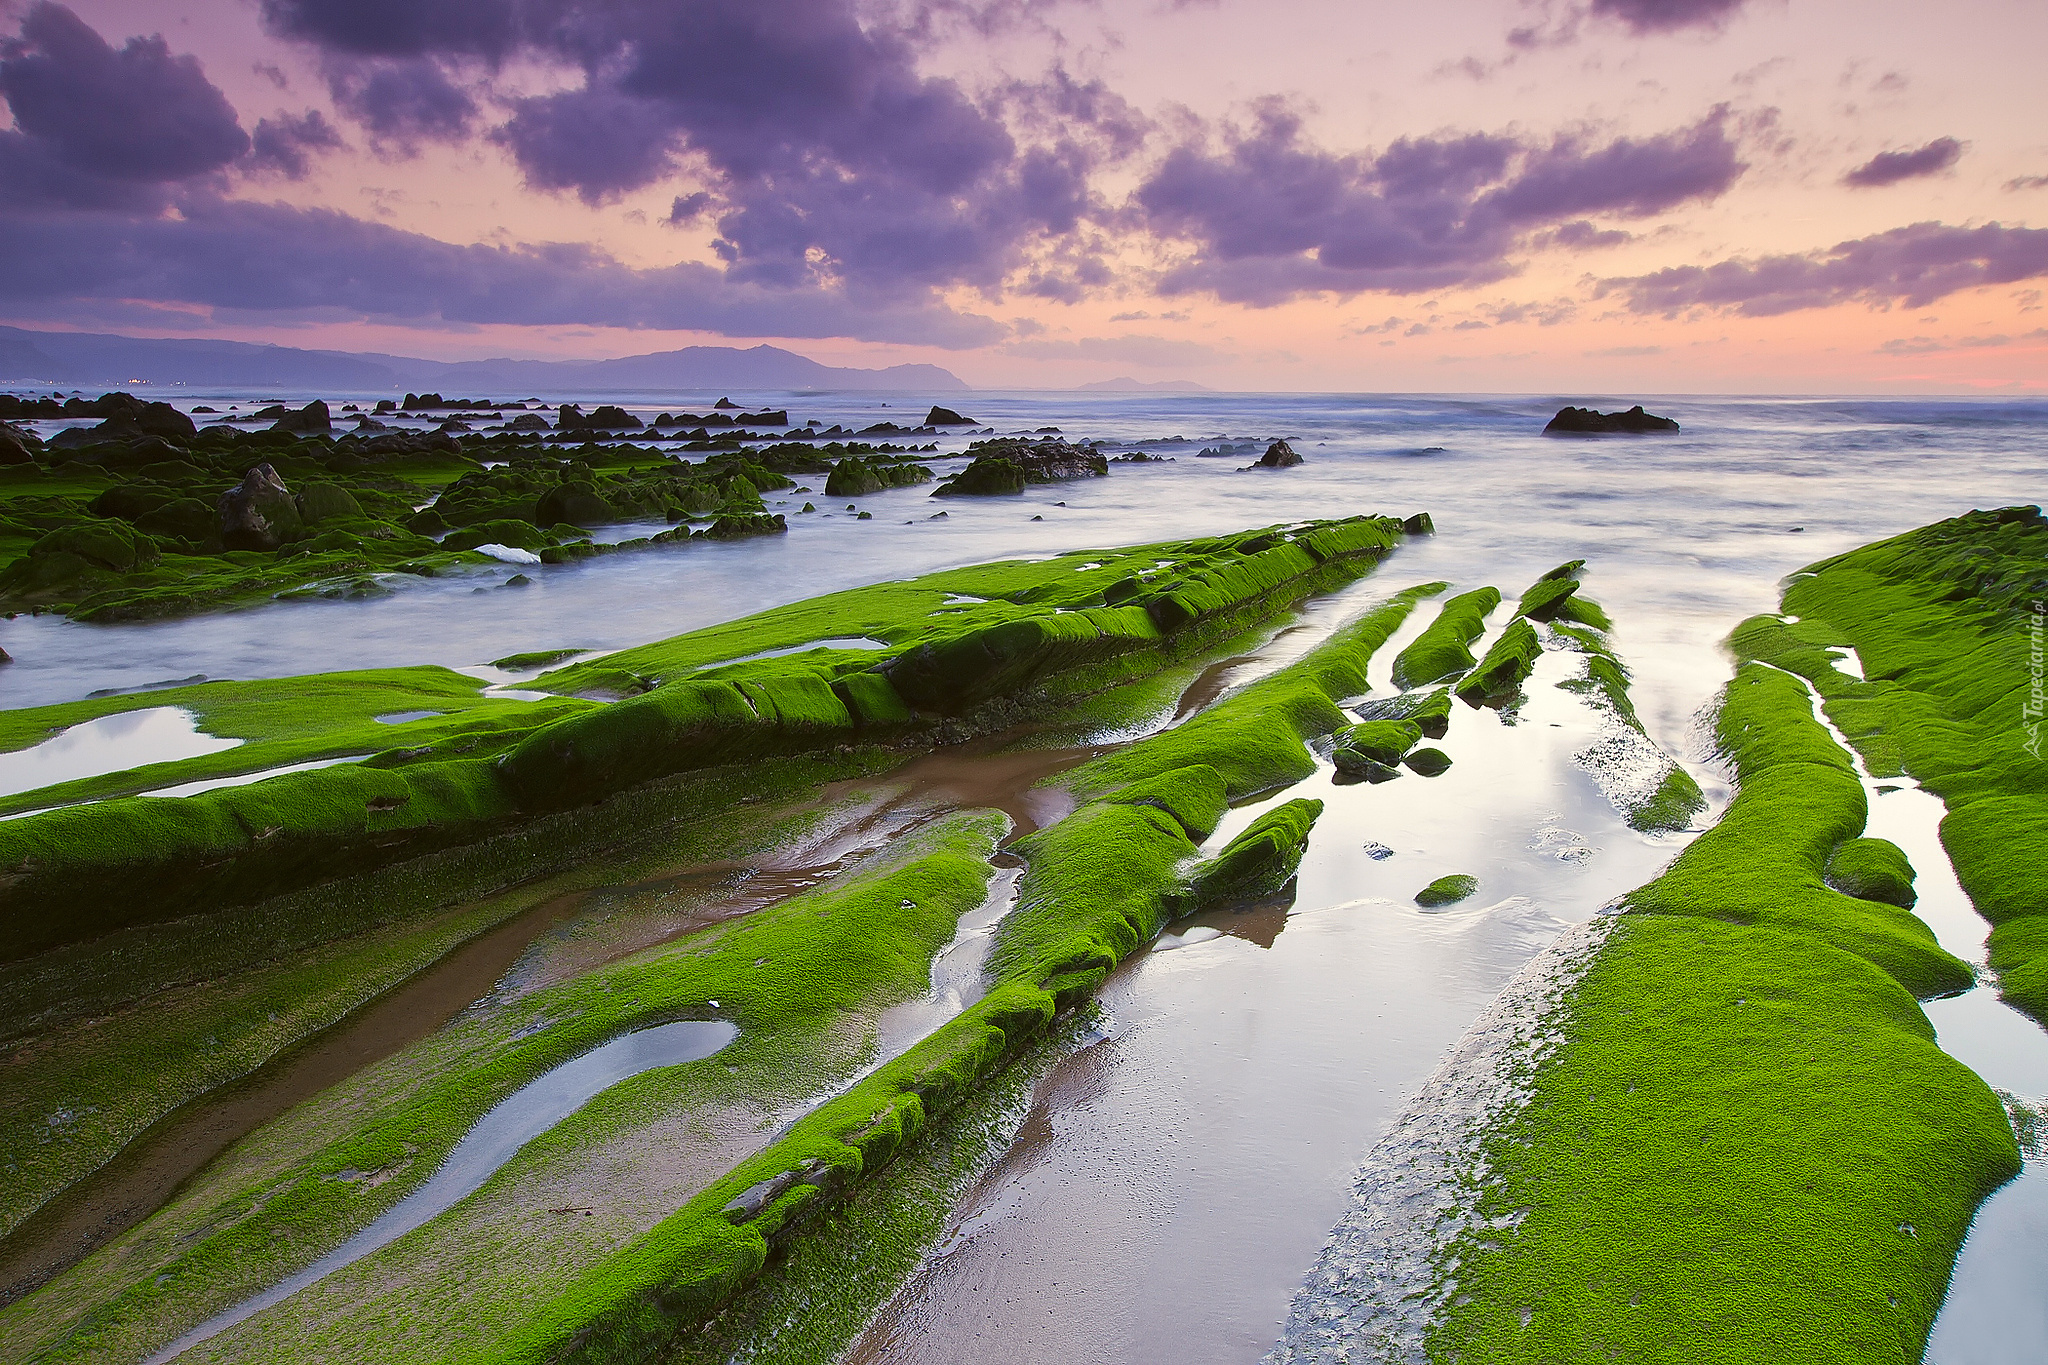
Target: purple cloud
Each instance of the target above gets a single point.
(284, 145)
(134, 114)
(1912, 265)
(279, 260)
(825, 156)
(1889, 168)
(401, 102)
(1270, 217)
(1665, 16)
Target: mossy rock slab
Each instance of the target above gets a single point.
(1447, 890)
(1873, 870)
(1262, 860)
(1374, 741)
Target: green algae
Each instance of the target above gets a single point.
(1872, 870)
(1447, 890)
(1444, 647)
(1259, 862)
(1497, 679)
(1765, 861)
(88, 869)
(1747, 1147)
(1428, 762)
(784, 974)
(1664, 1191)
(130, 1026)
(1384, 742)
(1429, 710)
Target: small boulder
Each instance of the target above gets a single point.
(14, 449)
(1592, 422)
(311, 420)
(259, 513)
(1446, 891)
(1279, 455)
(946, 417)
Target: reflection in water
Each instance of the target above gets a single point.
(110, 744)
(1208, 1138)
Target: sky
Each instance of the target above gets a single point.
(1555, 196)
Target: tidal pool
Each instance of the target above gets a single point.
(516, 1120)
(110, 744)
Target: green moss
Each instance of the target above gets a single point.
(1941, 619)
(1498, 678)
(1671, 1192)
(1872, 870)
(1443, 648)
(781, 974)
(1447, 890)
(1429, 762)
(1764, 862)
(1378, 741)
(1260, 861)
(1429, 710)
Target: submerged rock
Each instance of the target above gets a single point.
(1446, 890)
(259, 513)
(1279, 455)
(1591, 422)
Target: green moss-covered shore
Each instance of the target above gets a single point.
(128, 521)
(1047, 633)
(1746, 1144)
(1013, 655)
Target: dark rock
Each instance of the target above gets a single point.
(1419, 525)
(1279, 455)
(577, 503)
(257, 514)
(1589, 422)
(527, 421)
(726, 405)
(946, 417)
(13, 449)
(1007, 464)
(313, 419)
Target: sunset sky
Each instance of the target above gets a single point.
(1600, 196)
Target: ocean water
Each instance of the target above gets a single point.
(1684, 534)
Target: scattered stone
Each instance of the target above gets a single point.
(1429, 762)
(1279, 455)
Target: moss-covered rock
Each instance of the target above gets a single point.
(1498, 678)
(1443, 649)
(1428, 762)
(1447, 890)
(1872, 870)
(1429, 710)
(1374, 741)
(1261, 861)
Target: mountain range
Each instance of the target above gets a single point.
(99, 360)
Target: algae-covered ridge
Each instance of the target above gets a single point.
(1742, 1141)
(1048, 631)
(1097, 885)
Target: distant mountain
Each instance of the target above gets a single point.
(1129, 385)
(98, 360)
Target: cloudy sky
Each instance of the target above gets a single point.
(1597, 196)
